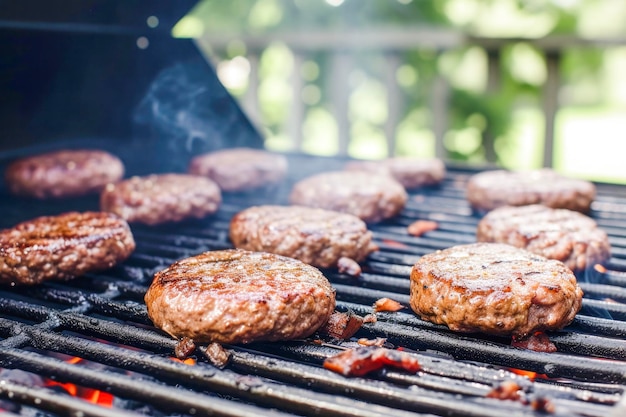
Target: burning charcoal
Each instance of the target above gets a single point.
(387, 304)
(507, 390)
(419, 227)
(539, 342)
(217, 355)
(184, 348)
(378, 342)
(341, 325)
(543, 405)
(362, 360)
(349, 266)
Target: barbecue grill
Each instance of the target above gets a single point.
(87, 348)
(93, 332)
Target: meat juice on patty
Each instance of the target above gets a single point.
(63, 247)
(64, 173)
(411, 172)
(315, 236)
(238, 296)
(370, 196)
(240, 169)
(564, 235)
(494, 288)
(156, 199)
(491, 189)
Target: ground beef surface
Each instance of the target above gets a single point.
(371, 197)
(494, 288)
(162, 198)
(63, 247)
(240, 169)
(315, 236)
(565, 235)
(412, 173)
(491, 189)
(238, 296)
(64, 173)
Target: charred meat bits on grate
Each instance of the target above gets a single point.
(371, 197)
(64, 173)
(494, 288)
(315, 236)
(63, 247)
(156, 199)
(238, 296)
(561, 234)
(492, 189)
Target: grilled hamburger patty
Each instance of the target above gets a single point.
(410, 172)
(240, 169)
(156, 199)
(237, 296)
(492, 189)
(64, 173)
(561, 234)
(315, 236)
(371, 197)
(63, 247)
(494, 288)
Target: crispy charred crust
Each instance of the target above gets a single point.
(367, 195)
(217, 355)
(184, 348)
(63, 247)
(240, 169)
(237, 296)
(491, 189)
(363, 360)
(315, 236)
(64, 173)
(387, 304)
(156, 199)
(341, 325)
(560, 234)
(494, 288)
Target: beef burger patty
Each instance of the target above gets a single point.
(371, 197)
(494, 288)
(237, 296)
(412, 173)
(492, 189)
(156, 199)
(64, 173)
(315, 236)
(561, 234)
(240, 169)
(63, 247)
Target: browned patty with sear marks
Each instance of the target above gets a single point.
(315, 236)
(238, 296)
(494, 288)
(565, 235)
(240, 169)
(63, 247)
(411, 172)
(155, 199)
(367, 195)
(64, 173)
(492, 189)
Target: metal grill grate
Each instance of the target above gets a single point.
(101, 318)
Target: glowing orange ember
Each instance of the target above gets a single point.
(188, 361)
(88, 394)
(529, 374)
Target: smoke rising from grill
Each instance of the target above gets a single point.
(187, 111)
